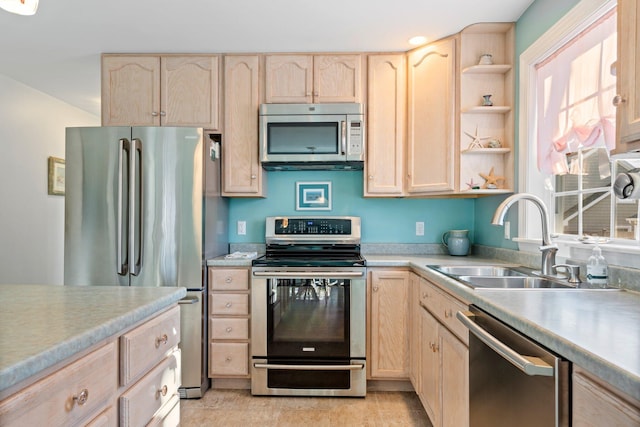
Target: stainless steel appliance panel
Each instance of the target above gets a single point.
(193, 345)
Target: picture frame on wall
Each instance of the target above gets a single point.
(56, 176)
(313, 196)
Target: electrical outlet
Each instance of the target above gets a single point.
(242, 228)
(419, 228)
(507, 230)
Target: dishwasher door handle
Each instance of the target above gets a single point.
(530, 365)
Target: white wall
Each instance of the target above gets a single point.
(32, 128)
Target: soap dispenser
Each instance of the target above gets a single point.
(597, 269)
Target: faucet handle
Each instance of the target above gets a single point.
(572, 270)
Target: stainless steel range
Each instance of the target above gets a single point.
(308, 295)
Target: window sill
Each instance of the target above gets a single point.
(621, 254)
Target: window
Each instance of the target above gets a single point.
(567, 128)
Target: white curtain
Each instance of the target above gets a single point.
(575, 90)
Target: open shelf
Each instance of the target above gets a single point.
(495, 109)
(487, 69)
(486, 150)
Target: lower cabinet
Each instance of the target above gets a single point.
(388, 324)
(443, 366)
(596, 403)
(228, 322)
(90, 391)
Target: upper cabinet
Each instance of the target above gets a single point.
(151, 90)
(313, 78)
(431, 150)
(243, 175)
(627, 74)
(486, 130)
(386, 115)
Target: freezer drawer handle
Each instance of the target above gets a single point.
(353, 367)
(530, 365)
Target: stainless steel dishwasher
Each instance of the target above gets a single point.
(513, 381)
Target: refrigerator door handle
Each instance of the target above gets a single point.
(135, 206)
(122, 258)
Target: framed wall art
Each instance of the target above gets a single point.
(313, 196)
(56, 176)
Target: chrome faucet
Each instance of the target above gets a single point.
(548, 249)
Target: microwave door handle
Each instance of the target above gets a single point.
(343, 141)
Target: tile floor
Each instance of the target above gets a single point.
(231, 408)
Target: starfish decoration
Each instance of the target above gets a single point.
(472, 185)
(477, 140)
(491, 180)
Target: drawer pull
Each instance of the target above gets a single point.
(229, 329)
(228, 279)
(425, 295)
(163, 391)
(82, 397)
(448, 313)
(228, 359)
(162, 340)
(228, 305)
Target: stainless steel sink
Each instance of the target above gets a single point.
(480, 270)
(521, 282)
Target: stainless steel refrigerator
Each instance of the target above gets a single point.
(143, 208)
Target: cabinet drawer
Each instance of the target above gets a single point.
(107, 418)
(141, 402)
(143, 347)
(229, 329)
(444, 308)
(228, 279)
(56, 399)
(229, 304)
(229, 359)
(168, 416)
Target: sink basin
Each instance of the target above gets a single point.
(479, 270)
(521, 282)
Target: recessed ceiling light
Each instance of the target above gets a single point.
(417, 40)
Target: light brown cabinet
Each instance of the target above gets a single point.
(388, 292)
(596, 403)
(313, 78)
(243, 175)
(151, 90)
(444, 358)
(415, 338)
(431, 149)
(627, 74)
(486, 133)
(386, 116)
(228, 322)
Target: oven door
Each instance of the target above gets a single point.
(308, 331)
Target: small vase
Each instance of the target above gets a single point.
(486, 101)
(457, 242)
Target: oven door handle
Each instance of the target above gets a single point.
(309, 274)
(353, 367)
(530, 365)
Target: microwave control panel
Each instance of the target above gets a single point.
(355, 137)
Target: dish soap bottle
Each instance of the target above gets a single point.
(597, 271)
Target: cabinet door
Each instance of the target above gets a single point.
(431, 160)
(130, 91)
(386, 103)
(242, 172)
(337, 78)
(430, 366)
(289, 78)
(628, 72)
(189, 95)
(389, 324)
(454, 380)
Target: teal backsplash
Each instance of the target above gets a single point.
(384, 220)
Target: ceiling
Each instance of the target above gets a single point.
(57, 50)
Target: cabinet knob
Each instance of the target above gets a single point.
(229, 329)
(82, 397)
(162, 113)
(228, 305)
(154, 114)
(448, 313)
(228, 279)
(228, 359)
(425, 295)
(370, 176)
(617, 100)
(375, 289)
(253, 176)
(163, 391)
(162, 340)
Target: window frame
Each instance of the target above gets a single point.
(530, 180)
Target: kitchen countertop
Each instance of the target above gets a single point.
(42, 325)
(596, 329)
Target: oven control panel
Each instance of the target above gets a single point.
(312, 226)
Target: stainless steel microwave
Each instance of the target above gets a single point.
(312, 136)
